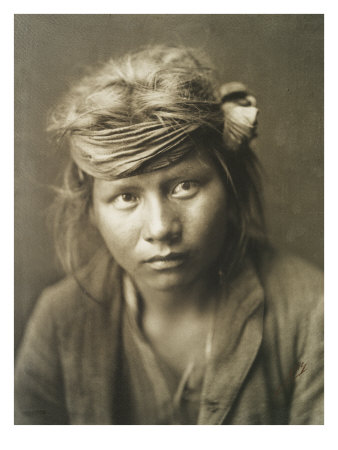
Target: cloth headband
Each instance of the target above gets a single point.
(240, 115)
(120, 152)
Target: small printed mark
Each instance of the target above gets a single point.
(295, 372)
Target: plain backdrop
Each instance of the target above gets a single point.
(280, 57)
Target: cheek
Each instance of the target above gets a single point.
(208, 217)
(119, 234)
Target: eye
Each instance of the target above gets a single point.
(125, 201)
(185, 189)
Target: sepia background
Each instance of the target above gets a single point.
(280, 57)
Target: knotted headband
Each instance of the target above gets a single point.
(240, 115)
(119, 152)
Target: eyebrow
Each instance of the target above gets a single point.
(183, 169)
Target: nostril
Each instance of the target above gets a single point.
(171, 234)
(162, 229)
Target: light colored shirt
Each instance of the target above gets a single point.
(156, 396)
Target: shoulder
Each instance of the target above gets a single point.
(62, 299)
(293, 290)
(92, 291)
(291, 278)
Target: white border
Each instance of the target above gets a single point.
(85, 437)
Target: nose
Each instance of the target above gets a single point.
(160, 222)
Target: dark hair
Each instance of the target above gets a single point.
(163, 88)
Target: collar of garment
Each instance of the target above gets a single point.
(236, 337)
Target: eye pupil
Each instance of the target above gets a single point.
(127, 197)
(186, 189)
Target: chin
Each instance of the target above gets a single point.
(167, 281)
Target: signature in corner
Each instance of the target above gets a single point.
(295, 372)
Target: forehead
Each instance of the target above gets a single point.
(195, 164)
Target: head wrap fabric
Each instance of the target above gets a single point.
(108, 153)
(120, 152)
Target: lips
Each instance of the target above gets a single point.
(169, 261)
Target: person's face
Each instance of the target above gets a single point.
(165, 228)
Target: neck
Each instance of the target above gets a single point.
(193, 298)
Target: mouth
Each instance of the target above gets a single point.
(169, 261)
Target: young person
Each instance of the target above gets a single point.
(175, 309)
